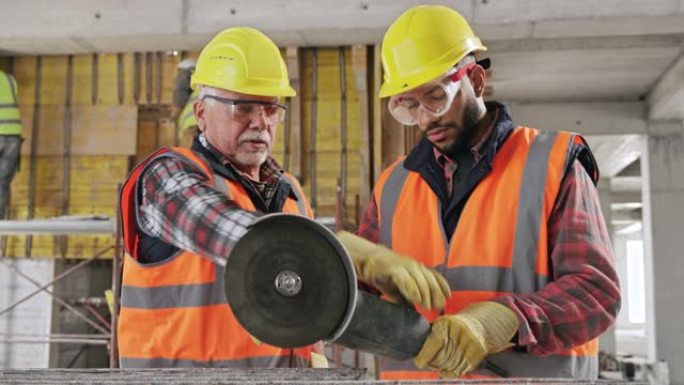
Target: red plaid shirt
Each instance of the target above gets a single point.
(583, 299)
(181, 208)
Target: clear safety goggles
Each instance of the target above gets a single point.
(248, 110)
(433, 98)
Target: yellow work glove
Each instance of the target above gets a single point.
(458, 343)
(395, 275)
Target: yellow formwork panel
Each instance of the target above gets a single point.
(157, 77)
(278, 150)
(53, 80)
(169, 64)
(328, 144)
(108, 79)
(82, 88)
(146, 78)
(128, 75)
(94, 181)
(93, 190)
(25, 75)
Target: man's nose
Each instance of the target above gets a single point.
(259, 120)
(425, 119)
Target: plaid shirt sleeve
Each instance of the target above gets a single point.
(583, 299)
(180, 207)
(368, 228)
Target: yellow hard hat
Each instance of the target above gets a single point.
(244, 60)
(422, 44)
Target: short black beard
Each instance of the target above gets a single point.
(469, 130)
(466, 132)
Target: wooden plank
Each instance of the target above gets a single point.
(148, 138)
(96, 130)
(295, 160)
(377, 115)
(104, 130)
(128, 74)
(169, 65)
(389, 135)
(167, 132)
(392, 137)
(328, 174)
(6, 64)
(155, 129)
(305, 99)
(360, 70)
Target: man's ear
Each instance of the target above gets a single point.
(478, 78)
(199, 109)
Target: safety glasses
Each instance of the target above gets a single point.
(433, 98)
(247, 110)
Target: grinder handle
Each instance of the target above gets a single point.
(391, 330)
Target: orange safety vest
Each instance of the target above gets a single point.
(499, 245)
(174, 313)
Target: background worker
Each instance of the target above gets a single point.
(183, 210)
(508, 214)
(184, 98)
(10, 138)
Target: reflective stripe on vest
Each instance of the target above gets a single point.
(522, 270)
(172, 296)
(10, 120)
(301, 202)
(174, 313)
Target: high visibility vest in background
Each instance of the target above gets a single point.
(10, 121)
(186, 118)
(499, 245)
(174, 313)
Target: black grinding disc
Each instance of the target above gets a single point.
(314, 307)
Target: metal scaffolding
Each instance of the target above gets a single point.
(69, 225)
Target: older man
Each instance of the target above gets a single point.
(184, 209)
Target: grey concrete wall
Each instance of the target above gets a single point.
(663, 213)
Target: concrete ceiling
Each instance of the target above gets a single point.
(542, 50)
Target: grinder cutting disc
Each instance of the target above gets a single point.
(290, 282)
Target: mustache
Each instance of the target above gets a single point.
(248, 135)
(439, 125)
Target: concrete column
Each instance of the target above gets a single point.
(663, 196)
(607, 340)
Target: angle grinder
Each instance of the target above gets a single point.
(291, 283)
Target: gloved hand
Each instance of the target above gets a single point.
(458, 343)
(395, 275)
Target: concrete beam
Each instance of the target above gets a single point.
(626, 183)
(666, 100)
(614, 152)
(75, 26)
(634, 169)
(626, 216)
(625, 197)
(585, 118)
